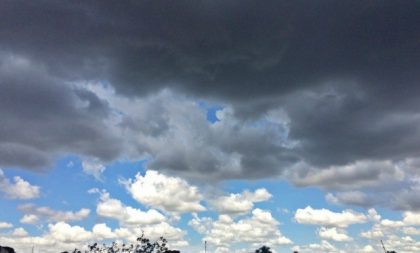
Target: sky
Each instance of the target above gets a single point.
(291, 124)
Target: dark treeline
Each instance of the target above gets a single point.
(142, 245)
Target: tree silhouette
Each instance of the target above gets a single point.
(142, 245)
(6, 249)
(263, 249)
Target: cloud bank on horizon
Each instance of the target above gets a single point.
(317, 94)
(228, 222)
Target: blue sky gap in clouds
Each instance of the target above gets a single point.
(71, 186)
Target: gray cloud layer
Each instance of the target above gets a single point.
(343, 74)
(41, 115)
(219, 49)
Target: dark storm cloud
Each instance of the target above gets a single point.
(226, 49)
(345, 73)
(339, 126)
(41, 116)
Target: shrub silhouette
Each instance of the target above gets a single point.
(142, 245)
(263, 249)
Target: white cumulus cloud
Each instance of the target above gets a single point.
(240, 202)
(127, 215)
(64, 232)
(5, 225)
(33, 213)
(259, 228)
(93, 167)
(29, 219)
(19, 232)
(18, 189)
(102, 231)
(171, 194)
(334, 234)
(324, 217)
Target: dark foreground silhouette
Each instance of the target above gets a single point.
(6, 250)
(263, 249)
(142, 245)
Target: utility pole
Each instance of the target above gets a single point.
(205, 246)
(383, 246)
